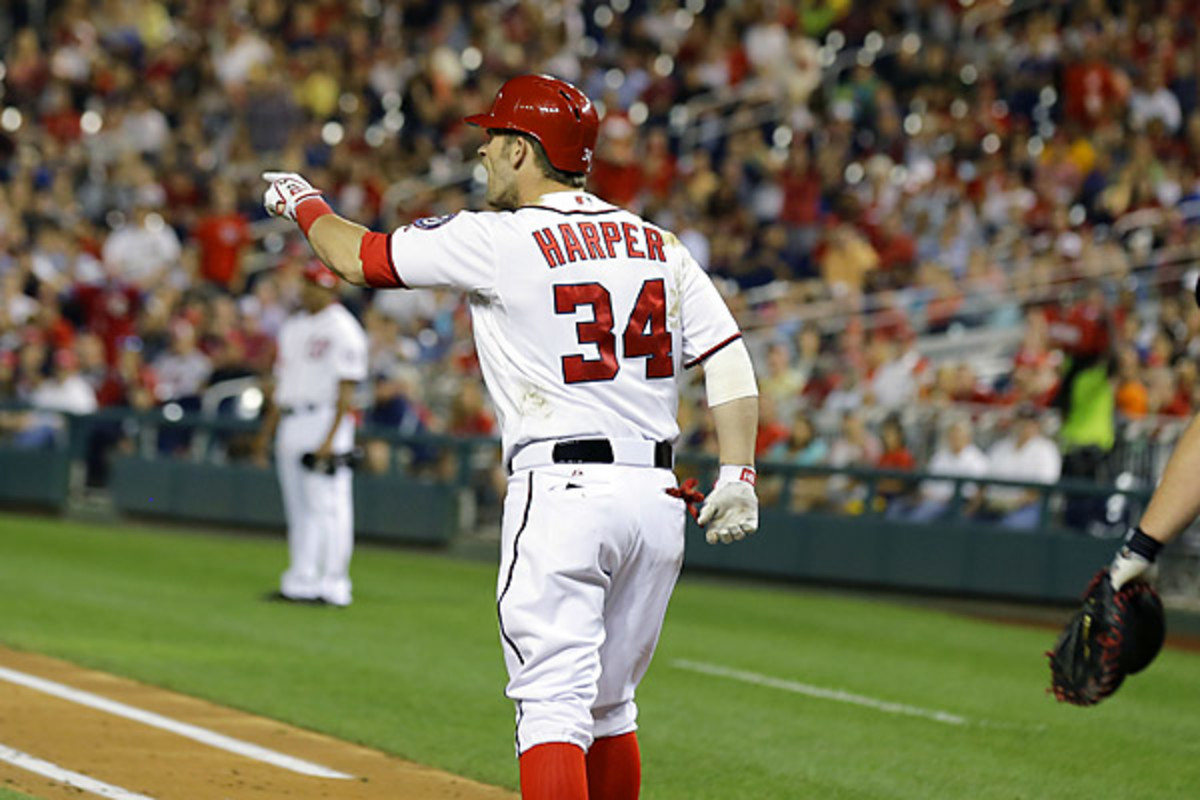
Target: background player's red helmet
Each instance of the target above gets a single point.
(318, 273)
(554, 112)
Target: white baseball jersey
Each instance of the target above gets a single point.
(583, 313)
(316, 352)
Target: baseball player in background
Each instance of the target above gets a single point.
(322, 356)
(584, 317)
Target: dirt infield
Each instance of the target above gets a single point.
(145, 760)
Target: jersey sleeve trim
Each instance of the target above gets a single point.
(378, 264)
(700, 358)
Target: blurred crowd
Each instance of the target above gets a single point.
(862, 179)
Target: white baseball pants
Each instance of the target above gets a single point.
(590, 556)
(319, 508)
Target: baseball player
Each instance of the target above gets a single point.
(584, 318)
(322, 355)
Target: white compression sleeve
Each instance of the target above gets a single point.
(729, 374)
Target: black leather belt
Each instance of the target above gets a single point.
(600, 451)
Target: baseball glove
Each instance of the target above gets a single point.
(1113, 635)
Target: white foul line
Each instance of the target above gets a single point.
(820, 692)
(202, 735)
(74, 779)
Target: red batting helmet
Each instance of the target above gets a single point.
(318, 273)
(554, 112)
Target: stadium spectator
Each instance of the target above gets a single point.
(184, 370)
(1024, 455)
(956, 456)
(855, 446)
(223, 234)
(143, 251)
(894, 456)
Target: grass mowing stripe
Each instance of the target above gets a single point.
(819, 692)
(74, 779)
(194, 732)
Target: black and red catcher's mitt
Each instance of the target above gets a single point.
(1113, 635)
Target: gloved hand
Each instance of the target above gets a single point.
(287, 191)
(731, 507)
(1135, 560)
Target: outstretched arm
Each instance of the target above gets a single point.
(1173, 506)
(337, 241)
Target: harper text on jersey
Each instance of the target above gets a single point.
(583, 241)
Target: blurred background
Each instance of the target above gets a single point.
(962, 236)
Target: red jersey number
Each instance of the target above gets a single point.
(646, 335)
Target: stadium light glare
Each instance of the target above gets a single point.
(664, 65)
(695, 7)
(959, 108)
(393, 120)
(348, 103)
(835, 40)
(472, 58)
(620, 6)
(782, 136)
(614, 79)
(332, 133)
(375, 136)
(910, 43)
(90, 122)
(638, 113)
(1035, 146)
(913, 124)
(684, 20)
(991, 144)
(603, 16)
(391, 101)
(11, 119)
(968, 74)
(873, 41)
(854, 173)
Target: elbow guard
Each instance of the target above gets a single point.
(729, 374)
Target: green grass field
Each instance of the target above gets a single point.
(414, 668)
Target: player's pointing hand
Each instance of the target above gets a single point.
(287, 191)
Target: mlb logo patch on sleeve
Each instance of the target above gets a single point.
(429, 223)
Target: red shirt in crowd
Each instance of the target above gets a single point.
(221, 238)
(110, 312)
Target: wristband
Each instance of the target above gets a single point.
(1139, 542)
(736, 472)
(309, 210)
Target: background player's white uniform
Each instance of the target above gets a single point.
(317, 352)
(584, 315)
